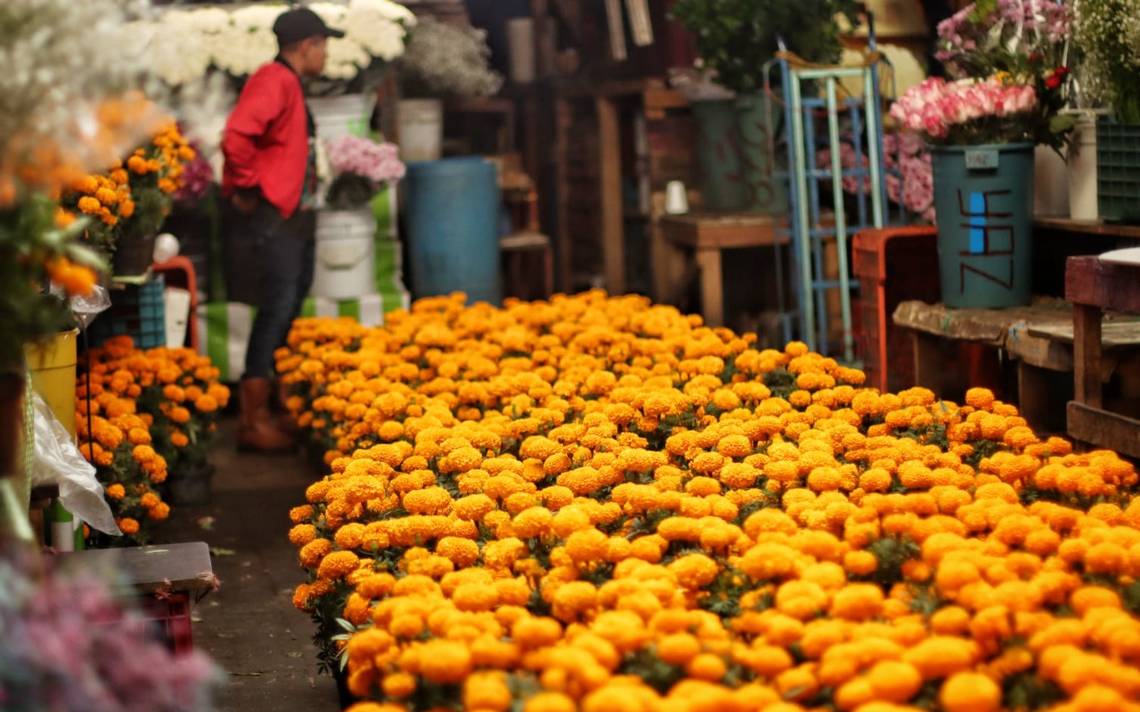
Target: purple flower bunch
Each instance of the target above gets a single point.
(197, 177)
(377, 162)
(66, 645)
(1013, 36)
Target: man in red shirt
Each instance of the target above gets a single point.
(269, 186)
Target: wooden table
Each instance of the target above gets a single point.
(1093, 287)
(707, 236)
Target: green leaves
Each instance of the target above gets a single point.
(737, 37)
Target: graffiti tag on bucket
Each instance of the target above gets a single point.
(989, 253)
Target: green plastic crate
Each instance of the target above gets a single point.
(1118, 171)
(136, 311)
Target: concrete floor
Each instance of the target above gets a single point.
(249, 626)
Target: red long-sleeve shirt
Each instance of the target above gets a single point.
(266, 140)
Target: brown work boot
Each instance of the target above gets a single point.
(259, 432)
(284, 420)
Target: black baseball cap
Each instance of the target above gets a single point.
(301, 23)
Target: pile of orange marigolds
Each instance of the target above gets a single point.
(598, 504)
(153, 414)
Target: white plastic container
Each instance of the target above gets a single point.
(345, 254)
(1082, 170)
(520, 42)
(421, 129)
(177, 303)
(337, 116)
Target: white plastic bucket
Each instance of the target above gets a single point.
(1082, 171)
(177, 302)
(421, 129)
(345, 115)
(345, 254)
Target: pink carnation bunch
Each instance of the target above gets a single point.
(376, 162)
(967, 111)
(909, 176)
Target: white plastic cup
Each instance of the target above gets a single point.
(676, 198)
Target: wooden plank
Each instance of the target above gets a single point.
(616, 26)
(989, 326)
(1087, 355)
(563, 118)
(1084, 227)
(1109, 286)
(712, 287)
(613, 229)
(1103, 429)
(639, 24)
(1024, 343)
(176, 567)
(724, 232)
(1113, 333)
(928, 366)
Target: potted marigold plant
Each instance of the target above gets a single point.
(1004, 98)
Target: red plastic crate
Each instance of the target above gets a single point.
(892, 265)
(170, 615)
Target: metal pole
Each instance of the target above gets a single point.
(802, 222)
(840, 218)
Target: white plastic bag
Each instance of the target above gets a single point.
(59, 462)
(86, 308)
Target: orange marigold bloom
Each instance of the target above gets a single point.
(128, 526)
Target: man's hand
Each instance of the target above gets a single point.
(245, 203)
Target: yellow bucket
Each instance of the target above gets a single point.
(51, 363)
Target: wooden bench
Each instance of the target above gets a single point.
(1037, 338)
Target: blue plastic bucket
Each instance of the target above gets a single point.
(453, 219)
(984, 198)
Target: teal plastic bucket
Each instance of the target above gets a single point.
(718, 156)
(984, 198)
(764, 189)
(453, 220)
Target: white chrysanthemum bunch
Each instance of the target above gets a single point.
(378, 26)
(241, 40)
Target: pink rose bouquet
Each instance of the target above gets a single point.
(1019, 43)
(360, 166)
(968, 111)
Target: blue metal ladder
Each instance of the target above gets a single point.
(808, 226)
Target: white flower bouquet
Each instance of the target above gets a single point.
(185, 44)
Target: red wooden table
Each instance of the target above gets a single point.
(1093, 287)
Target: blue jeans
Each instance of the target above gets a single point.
(269, 264)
